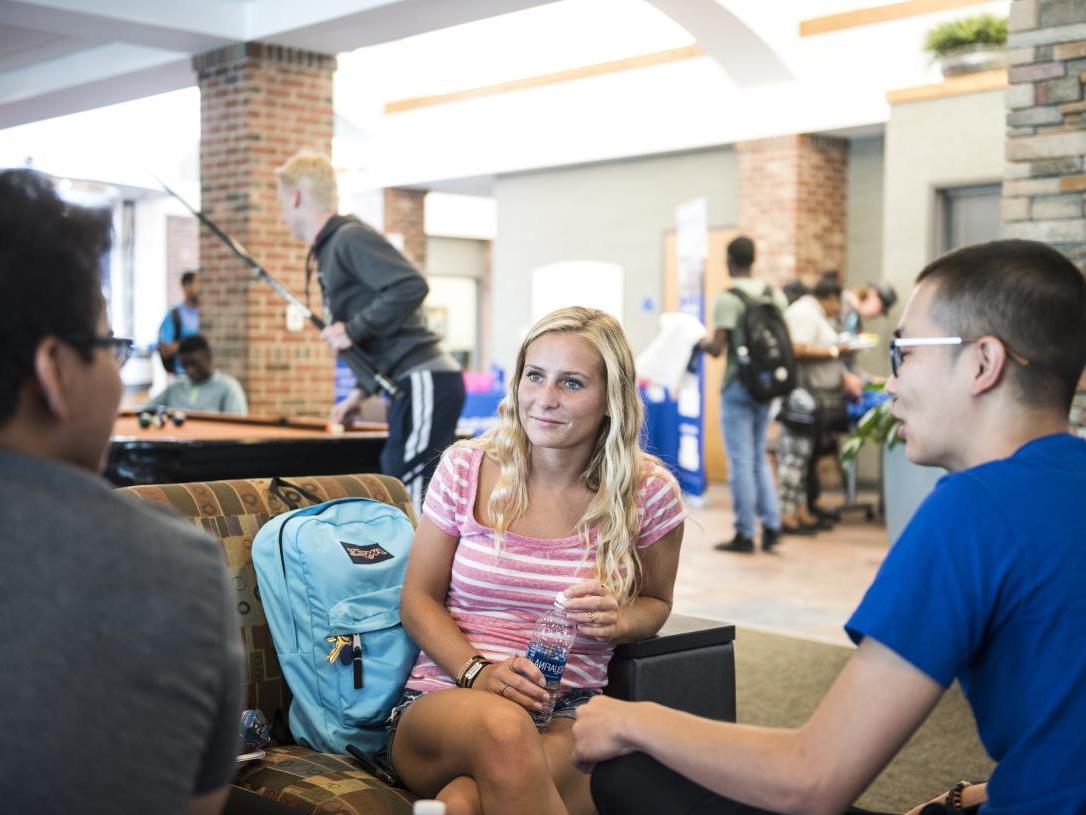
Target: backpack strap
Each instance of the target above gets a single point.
(276, 488)
(175, 314)
(742, 296)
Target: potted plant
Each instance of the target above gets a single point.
(877, 426)
(976, 43)
(904, 484)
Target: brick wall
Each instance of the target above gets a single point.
(404, 215)
(792, 203)
(259, 105)
(182, 253)
(1044, 186)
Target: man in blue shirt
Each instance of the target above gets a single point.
(987, 584)
(181, 321)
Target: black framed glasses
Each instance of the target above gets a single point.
(897, 343)
(121, 346)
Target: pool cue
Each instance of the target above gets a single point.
(354, 354)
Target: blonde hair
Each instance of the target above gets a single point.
(313, 173)
(615, 466)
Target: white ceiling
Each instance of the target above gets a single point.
(62, 56)
(758, 77)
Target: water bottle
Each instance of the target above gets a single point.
(548, 649)
(428, 808)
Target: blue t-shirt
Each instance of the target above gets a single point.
(190, 324)
(988, 585)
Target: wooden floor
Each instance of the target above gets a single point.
(807, 587)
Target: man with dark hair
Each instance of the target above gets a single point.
(985, 585)
(744, 419)
(202, 387)
(121, 677)
(183, 320)
(864, 302)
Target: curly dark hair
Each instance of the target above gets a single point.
(50, 252)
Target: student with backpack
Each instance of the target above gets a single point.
(558, 498)
(183, 320)
(760, 367)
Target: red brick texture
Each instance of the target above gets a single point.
(259, 105)
(182, 254)
(404, 215)
(792, 202)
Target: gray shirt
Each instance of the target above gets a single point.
(219, 393)
(120, 674)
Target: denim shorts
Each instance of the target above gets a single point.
(565, 707)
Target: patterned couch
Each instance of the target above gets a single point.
(690, 665)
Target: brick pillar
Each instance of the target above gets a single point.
(182, 254)
(259, 104)
(792, 203)
(404, 215)
(1044, 186)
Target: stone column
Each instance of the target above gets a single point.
(792, 203)
(1044, 186)
(259, 104)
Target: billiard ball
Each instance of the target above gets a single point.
(177, 417)
(145, 419)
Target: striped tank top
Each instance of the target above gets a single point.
(497, 597)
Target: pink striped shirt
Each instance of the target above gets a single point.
(497, 597)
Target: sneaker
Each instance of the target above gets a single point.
(740, 543)
(770, 538)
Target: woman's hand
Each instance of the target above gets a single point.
(516, 679)
(594, 609)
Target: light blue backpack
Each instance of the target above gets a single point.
(329, 577)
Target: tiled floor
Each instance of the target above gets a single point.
(807, 587)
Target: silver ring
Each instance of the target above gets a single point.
(505, 687)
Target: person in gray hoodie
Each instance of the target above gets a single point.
(373, 301)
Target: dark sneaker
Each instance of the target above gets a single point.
(740, 543)
(770, 538)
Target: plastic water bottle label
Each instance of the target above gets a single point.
(551, 661)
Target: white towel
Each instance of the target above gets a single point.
(665, 359)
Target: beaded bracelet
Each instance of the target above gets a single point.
(953, 800)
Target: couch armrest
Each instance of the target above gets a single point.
(689, 665)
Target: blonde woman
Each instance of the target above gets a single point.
(558, 497)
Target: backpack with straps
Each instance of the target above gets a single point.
(169, 361)
(329, 577)
(763, 351)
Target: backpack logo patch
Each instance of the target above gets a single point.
(366, 555)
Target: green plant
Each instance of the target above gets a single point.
(980, 29)
(877, 426)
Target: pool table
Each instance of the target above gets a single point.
(216, 446)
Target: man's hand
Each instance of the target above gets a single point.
(336, 336)
(343, 412)
(853, 386)
(598, 731)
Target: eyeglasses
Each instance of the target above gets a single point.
(121, 346)
(897, 343)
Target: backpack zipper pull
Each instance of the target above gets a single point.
(356, 641)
